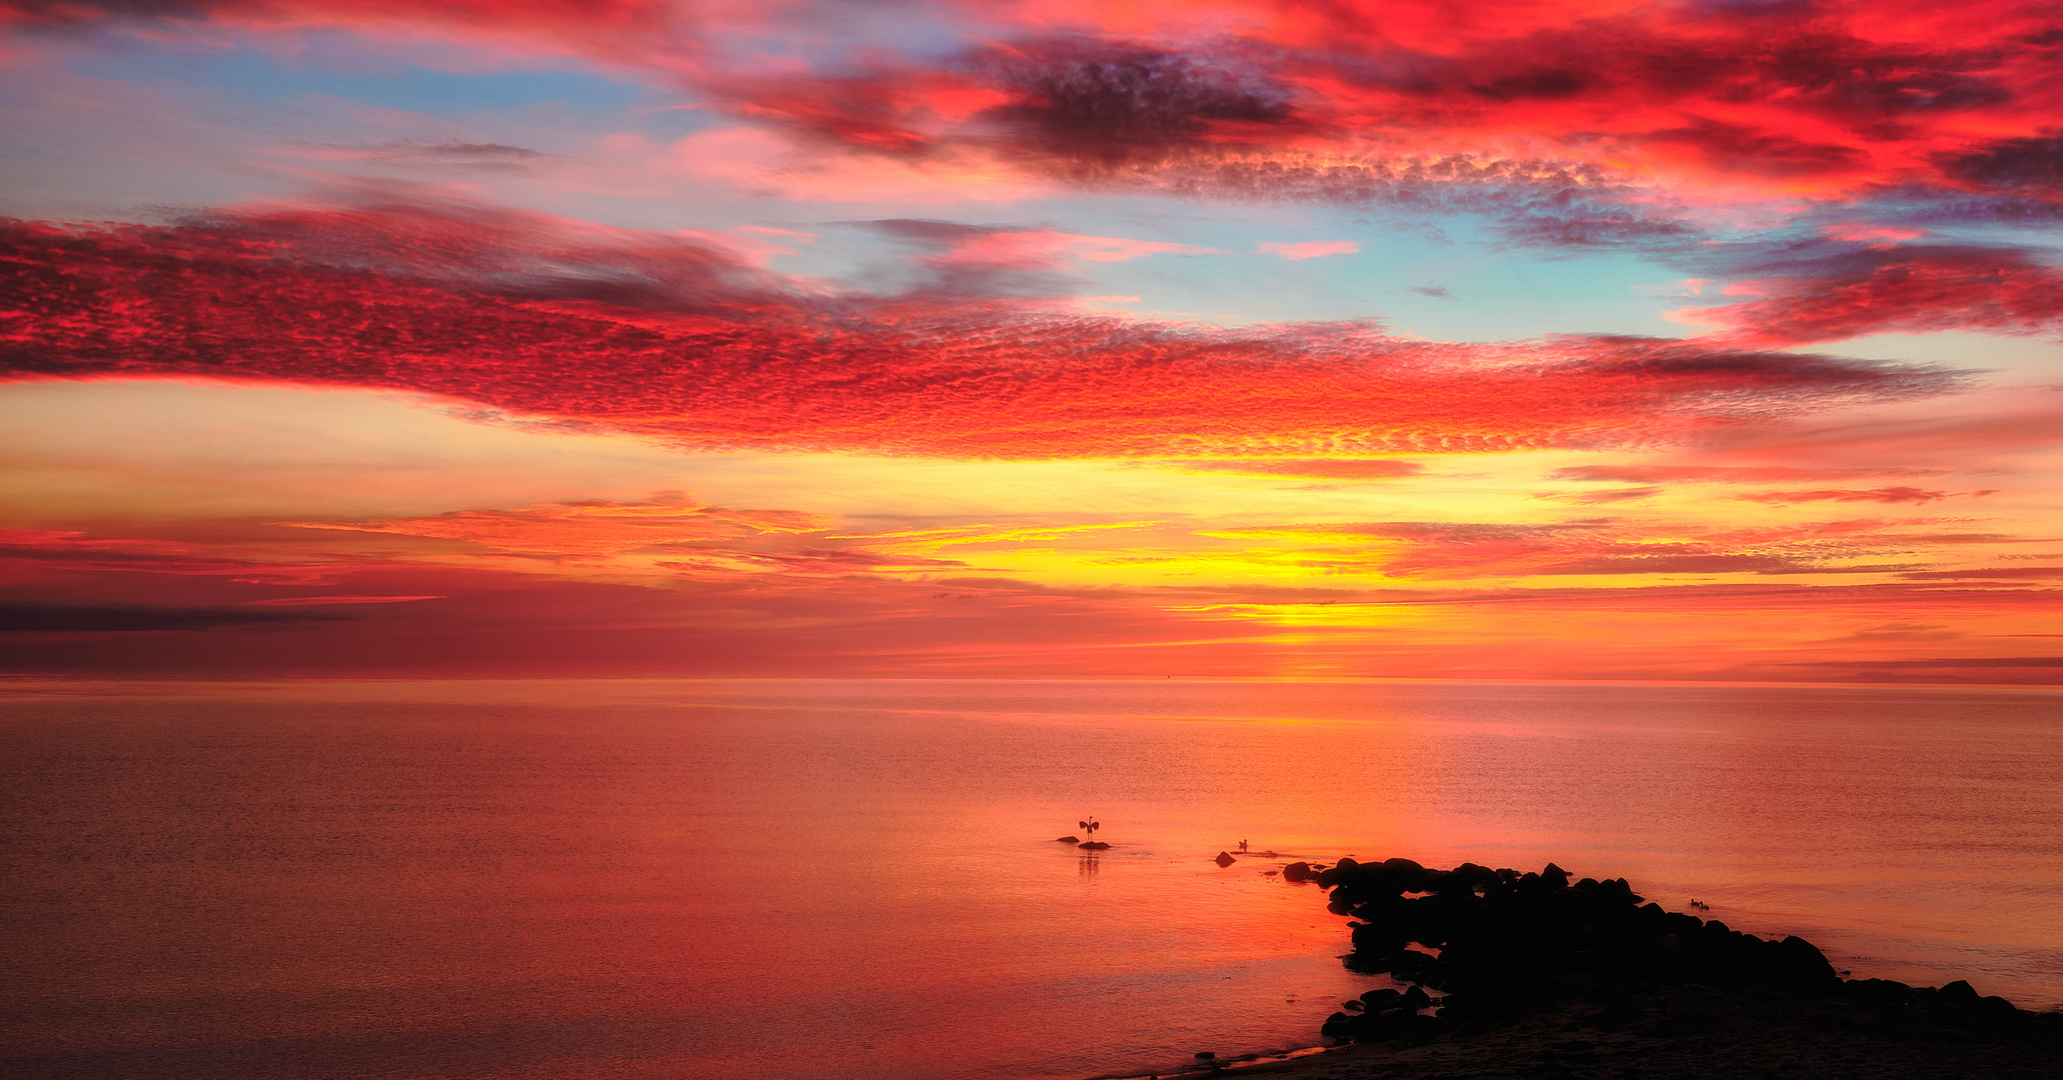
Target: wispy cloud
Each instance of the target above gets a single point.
(1309, 249)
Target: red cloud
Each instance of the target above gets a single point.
(661, 335)
(1908, 290)
(1777, 98)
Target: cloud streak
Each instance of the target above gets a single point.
(666, 336)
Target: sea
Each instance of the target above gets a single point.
(794, 880)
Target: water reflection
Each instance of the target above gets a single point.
(1088, 864)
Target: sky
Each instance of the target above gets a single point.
(1032, 338)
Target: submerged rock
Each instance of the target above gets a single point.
(1094, 845)
(1069, 840)
(1224, 858)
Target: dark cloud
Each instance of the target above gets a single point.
(452, 156)
(1437, 292)
(72, 13)
(1727, 148)
(1548, 84)
(2013, 163)
(1088, 107)
(1883, 288)
(105, 618)
(1535, 203)
(939, 235)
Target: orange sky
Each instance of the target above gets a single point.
(1689, 341)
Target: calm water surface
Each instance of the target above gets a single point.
(859, 879)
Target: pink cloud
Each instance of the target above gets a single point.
(1310, 249)
(1036, 247)
(1862, 232)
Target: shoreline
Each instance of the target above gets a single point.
(1702, 1033)
(1539, 977)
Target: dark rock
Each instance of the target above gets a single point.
(1800, 963)
(1094, 845)
(1069, 840)
(1956, 993)
(1997, 1010)
(1224, 858)
(1877, 991)
(1352, 1006)
(1205, 1055)
(1512, 944)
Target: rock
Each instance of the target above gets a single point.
(1205, 1055)
(1800, 963)
(1094, 845)
(1224, 858)
(1510, 944)
(1877, 991)
(1069, 840)
(1958, 992)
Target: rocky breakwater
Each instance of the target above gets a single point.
(1481, 949)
